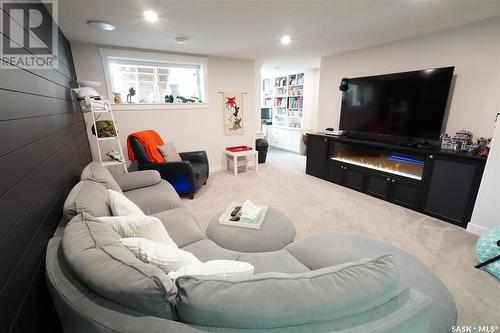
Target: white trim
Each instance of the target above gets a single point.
(159, 106)
(107, 54)
(476, 229)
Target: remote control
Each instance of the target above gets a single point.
(235, 211)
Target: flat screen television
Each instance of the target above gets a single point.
(266, 113)
(408, 105)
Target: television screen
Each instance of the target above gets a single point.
(266, 113)
(409, 104)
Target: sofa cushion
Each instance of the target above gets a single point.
(277, 261)
(121, 205)
(220, 268)
(142, 226)
(156, 198)
(98, 173)
(137, 179)
(93, 252)
(275, 300)
(86, 196)
(334, 248)
(206, 250)
(181, 226)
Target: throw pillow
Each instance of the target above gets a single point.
(121, 205)
(169, 152)
(221, 268)
(99, 173)
(487, 248)
(167, 258)
(141, 226)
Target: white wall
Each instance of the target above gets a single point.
(486, 214)
(473, 49)
(315, 103)
(192, 128)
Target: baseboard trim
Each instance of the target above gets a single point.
(476, 229)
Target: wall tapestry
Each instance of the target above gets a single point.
(233, 113)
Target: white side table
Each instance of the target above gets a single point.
(247, 153)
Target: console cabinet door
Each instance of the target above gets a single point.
(336, 173)
(354, 178)
(452, 188)
(405, 193)
(317, 149)
(378, 185)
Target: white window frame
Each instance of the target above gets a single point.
(155, 59)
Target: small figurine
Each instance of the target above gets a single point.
(113, 154)
(463, 141)
(184, 99)
(117, 97)
(131, 92)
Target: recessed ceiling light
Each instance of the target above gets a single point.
(150, 16)
(285, 40)
(101, 25)
(180, 40)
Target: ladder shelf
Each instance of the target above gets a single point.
(99, 107)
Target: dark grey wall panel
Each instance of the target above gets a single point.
(28, 82)
(18, 167)
(29, 130)
(18, 105)
(44, 148)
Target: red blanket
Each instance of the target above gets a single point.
(150, 140)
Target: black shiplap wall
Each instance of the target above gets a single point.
(43, 148)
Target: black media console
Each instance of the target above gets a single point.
(435, 182)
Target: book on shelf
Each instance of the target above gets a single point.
(295, 103)
(280, 82)
(296, 91)
(300, 78)
(280, 91)
(266, 85)
(280, 101)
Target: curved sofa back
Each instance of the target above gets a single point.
(82, 310)
(94, 254)
(270, 300)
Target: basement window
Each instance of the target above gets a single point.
(154, 77)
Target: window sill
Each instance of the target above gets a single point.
(158, 106)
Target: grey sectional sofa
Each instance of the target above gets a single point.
(318, 284)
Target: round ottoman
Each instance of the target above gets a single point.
(276, 232)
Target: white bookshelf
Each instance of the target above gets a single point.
(285, 94)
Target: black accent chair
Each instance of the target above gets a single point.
(186, 176)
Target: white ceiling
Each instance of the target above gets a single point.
(252, 29)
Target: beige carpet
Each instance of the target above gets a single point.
(317, 206)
